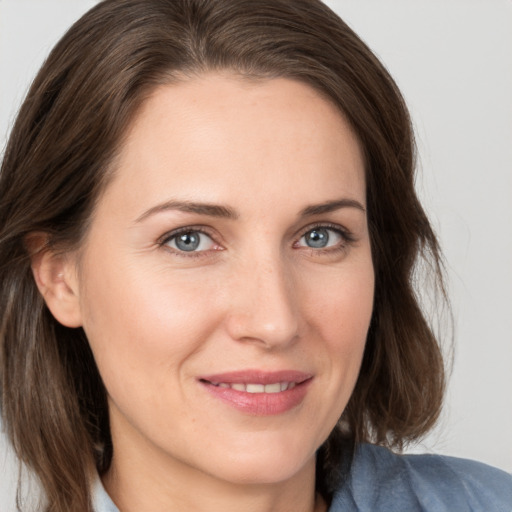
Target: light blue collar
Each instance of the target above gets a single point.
(101, 501)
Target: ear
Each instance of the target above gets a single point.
(56, 278)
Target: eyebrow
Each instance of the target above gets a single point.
(213, 210)
(225, 212)
(331, 206)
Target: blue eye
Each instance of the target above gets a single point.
(321, 238)
(190, 241)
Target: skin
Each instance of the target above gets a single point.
(253, 296)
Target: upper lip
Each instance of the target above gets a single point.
(257, 377)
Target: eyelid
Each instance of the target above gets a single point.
(184, 229)
(203, 230)
(347, 236)
(345, 233)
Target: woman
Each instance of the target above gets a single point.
(217, 263)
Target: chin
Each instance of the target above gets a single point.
(264, 466)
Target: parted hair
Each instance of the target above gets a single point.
(59, 158)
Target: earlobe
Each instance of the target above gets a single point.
(56, 278)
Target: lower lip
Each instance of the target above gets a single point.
(260, 404)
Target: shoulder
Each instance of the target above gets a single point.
(381, 480)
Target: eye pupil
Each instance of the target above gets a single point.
(188, 241)
(317, 238)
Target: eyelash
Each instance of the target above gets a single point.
(168, 237)
(346, 236)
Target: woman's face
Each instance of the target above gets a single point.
(226, 283)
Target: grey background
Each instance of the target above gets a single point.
(453, 62)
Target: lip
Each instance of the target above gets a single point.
(259, 404)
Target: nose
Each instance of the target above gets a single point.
(263, 305)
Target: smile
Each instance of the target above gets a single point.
(259, 393)
(276, 387)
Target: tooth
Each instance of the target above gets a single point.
(238, 387)
(273, 388)
(284, 386)
(255, 388)
(223, 385)
(291, 385)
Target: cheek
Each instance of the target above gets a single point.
(141, 323)
(341, 305)
(340, 313)
(337, 312)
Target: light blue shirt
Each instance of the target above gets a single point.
(381, 481)
(101, 501)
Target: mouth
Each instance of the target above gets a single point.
(276, 387)
(259, 393)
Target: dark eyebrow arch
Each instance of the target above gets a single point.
(213, 210)
(331, 206)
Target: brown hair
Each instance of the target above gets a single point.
(56, 163)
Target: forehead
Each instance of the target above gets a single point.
(204, 136)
